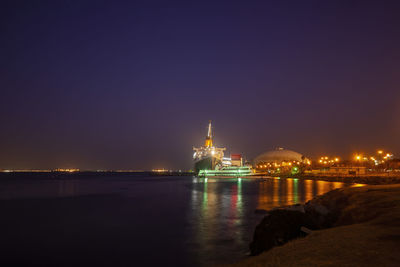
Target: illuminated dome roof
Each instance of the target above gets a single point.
(280, 155)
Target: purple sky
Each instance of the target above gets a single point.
(118, 85)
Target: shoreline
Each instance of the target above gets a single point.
(359, 226)
(367, 179)
(370, 180)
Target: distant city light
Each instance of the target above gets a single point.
(66, 170)
(159, 170)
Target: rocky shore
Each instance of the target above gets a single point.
(358, 226)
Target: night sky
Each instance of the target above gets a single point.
(118, 85)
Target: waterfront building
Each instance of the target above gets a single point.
(281, 161)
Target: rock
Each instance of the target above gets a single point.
(286, 223)
(305, 230)
(260, 211)
(322, 210)
(296, 207)
(325, 211)
(277, 228)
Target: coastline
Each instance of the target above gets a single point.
(364, 232)
(366, 179)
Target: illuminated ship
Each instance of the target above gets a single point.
(208, 157)
(228, 171)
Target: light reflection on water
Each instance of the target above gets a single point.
(223, 217)
(67, 188)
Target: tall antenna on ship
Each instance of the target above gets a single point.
(209, 142)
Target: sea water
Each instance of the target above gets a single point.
(137, 219)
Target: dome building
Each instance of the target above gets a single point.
(282, 160)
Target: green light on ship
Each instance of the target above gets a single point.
(231, 171)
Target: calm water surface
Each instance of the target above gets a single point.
(126, 220)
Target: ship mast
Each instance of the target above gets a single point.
(209, 142)
(209, 130)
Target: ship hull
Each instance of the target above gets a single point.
(227, 172)
(207, 163)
